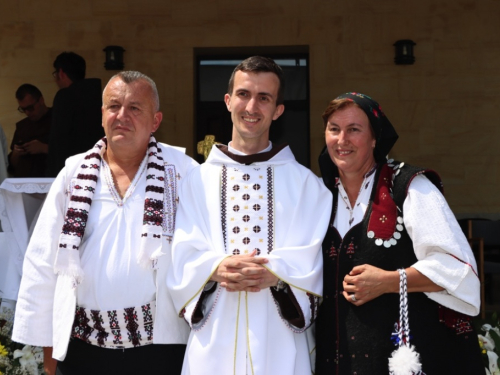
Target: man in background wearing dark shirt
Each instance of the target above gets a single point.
(76, 118)
(29, 145)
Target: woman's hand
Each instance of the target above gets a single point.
(366, 282)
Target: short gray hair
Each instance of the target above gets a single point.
(129, 76)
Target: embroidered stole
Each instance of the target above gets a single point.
(247, 209)
(68, 257)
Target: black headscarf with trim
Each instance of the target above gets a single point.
(385, 134)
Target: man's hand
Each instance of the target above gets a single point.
(36, 147)
(244, 273)
(49, 363)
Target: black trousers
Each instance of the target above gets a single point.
(86, 359)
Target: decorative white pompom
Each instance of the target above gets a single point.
(405, 361)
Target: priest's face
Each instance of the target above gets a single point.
(253, 108)
(129, 114)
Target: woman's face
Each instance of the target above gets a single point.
(350, 141)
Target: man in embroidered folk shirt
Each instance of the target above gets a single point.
(95, 269)
(246, 262)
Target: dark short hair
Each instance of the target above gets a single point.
(258, 64)
(26, 89)
(72, 64)
(129, 76)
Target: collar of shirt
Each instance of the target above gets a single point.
(236, 152)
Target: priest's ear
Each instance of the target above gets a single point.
(278, 111)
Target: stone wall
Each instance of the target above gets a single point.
(444, 106)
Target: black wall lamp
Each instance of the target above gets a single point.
(404, 52)
(114, 58)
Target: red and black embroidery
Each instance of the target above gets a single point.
(101, 335)
(461, 323)
(81, 328)
(81, 199)
(333, 251)
(115, 328)
(134, 335)
(351, 248)
(76, 218)
(148, 321)
(153, 211)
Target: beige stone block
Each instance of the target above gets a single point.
(450, 57)
(70, 10)
(112, 9)
(317, 28)
(452, 171)
(228, 10)
(449, 28)
(49, 35)
(406, 146)
(30, 10)
(319, 66)
(466, 86)
(484, 22)
(9, 13)
(376, 86)
(482, 168)
(436, 87)
(410, 87)
(16, 35)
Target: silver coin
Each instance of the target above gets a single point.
(371, 234)
(379, 242)
(387, 244)
(400, 220)
(399, 227)
(401, 165)
(397, 172)
(397, 235)
(390, 160)
(393, 241)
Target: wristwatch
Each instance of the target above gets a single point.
(280, 286)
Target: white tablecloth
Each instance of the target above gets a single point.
(20, 202)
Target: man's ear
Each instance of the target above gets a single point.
(278, 111)
(227, 100)
(157, 120)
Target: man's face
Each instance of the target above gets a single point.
(34, 109)
(253, 107)
(129, 115)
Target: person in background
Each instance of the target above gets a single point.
(3, 156)
(93, 291)
(246, 269)
(390, 222)
(76, 116)
(29, 147)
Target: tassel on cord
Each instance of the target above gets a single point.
(405, 360)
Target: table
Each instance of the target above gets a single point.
(20, 202)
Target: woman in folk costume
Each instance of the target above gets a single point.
(390, 227)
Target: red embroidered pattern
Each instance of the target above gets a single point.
(461, 323)
(134, 335)
(384, 210)
(115, 328)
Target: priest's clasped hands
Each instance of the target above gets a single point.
(244, 273)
